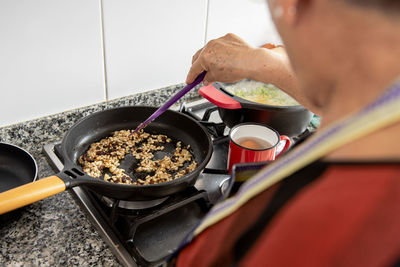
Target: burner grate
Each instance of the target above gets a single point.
(216, 129)
(150, 235)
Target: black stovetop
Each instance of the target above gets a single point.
(146, 233)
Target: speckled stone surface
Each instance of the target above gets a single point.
(54, 231)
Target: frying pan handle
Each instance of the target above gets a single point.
(29, 193)
(218, 98)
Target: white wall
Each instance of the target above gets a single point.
(249, 19)
(149, 43)
(52, 57)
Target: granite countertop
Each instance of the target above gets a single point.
(54, 231)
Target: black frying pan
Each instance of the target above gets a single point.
(17, 167)
(99, 125)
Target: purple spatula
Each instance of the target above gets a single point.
(171, 101)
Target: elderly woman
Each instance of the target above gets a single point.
(335, 199)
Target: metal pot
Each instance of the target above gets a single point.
(287, 120)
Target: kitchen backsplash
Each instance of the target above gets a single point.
(57, 55)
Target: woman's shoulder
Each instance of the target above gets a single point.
(342, 218)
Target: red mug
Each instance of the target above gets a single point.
(253, 142)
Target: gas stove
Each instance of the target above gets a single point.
(145, 233)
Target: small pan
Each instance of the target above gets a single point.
(99, 125)
(17, 167)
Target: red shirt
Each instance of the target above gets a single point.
(323, 215)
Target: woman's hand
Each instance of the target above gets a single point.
(226, 59)
(229, 59)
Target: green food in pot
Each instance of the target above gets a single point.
(262, 93)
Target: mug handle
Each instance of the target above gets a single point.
(287, 144)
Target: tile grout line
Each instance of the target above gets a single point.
(103, 51)
(206, 22)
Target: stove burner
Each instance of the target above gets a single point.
(133, 205)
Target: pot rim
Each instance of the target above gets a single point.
(255, 105)
(257, 124)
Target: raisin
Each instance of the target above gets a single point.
(87, 158)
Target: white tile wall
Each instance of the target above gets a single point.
(249, 19)
(149, 44)
(50, 57)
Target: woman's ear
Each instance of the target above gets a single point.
(291, 11)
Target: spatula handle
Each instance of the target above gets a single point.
(172, 100)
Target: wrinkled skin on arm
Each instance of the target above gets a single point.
(229, 59)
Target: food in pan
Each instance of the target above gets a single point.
(261, 93)
(104, 158)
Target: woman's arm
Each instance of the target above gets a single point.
(229, 59)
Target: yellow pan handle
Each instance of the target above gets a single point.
(29, 193)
